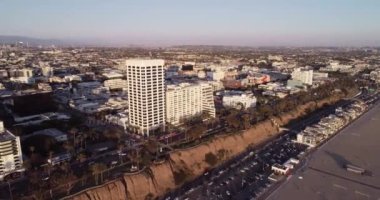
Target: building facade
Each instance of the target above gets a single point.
(24, 75)
(208, 104)
(239, 100)
(10, 153)
(304, 75)
(146, 95)
(185, 100)
(116, 83)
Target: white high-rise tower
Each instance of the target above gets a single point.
(146, 94)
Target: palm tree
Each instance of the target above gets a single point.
(134, 156)
(120, 148)
(82, 157)
(98, 168)
(49, 165)
(32, 149)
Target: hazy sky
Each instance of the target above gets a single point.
(225, 22)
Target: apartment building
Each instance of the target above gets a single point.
(146, 94)
(185, 100)
(208, 104)
(304, 75)
(22, 75)
(10, 153)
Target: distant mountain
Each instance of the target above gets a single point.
(9, 39)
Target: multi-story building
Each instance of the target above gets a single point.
(238, 99)
(185, 100)
(304, 75)
(216, 75)
(116, 83)
(182, 101)
(10, 153)
(146, 94)
(208, 104)
(47, 71)
(22, 75)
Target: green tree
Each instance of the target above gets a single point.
(196, 131)
(211, 159)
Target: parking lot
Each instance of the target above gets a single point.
(245, 178)
(246, 175)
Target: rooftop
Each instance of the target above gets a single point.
(6, 136)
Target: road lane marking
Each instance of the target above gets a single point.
(355, 134)
(363, 194)
(340, 186)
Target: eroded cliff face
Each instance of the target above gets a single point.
(190, 163)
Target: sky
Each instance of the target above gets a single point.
(196, 22)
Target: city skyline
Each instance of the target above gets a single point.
(242, 23)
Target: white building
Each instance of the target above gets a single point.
(117, 83)
(208, 104)
(22, 75)
(10, 153)
(112, 75)
(120, 119)
(146, 94)
(280, 169)
(47, 71)
(307, 139)
(216, 75)
(188, 99)
(236, 99)
(335, 66)
(304, 75)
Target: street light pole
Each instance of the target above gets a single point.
(10, 190)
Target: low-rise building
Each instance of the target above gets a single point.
(280, 169)
(238, 99)
(58, 135)
(117, 83)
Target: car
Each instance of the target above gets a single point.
(122, 154)
(45, 178)
(228, 193)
